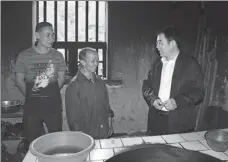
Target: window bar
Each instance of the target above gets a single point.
(104, 61)
(66, 55)
(55, 20)
(66, 20)
(87, 19)
(66, 26)
(45, 11)
(97, 19)
(76, 21)
(37, 12)
(98, 63)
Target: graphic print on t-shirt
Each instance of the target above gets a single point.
(44, 71)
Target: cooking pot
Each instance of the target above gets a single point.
(10, 106)
(160, 153)
(66, 146)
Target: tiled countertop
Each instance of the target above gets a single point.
(106, 148)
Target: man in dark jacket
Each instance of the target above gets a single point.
(87, 101)
(173, 88)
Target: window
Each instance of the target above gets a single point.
(77, 24)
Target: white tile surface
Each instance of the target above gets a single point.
(226, 129)
(173, 138)
(192, 136)
(29, 157)
(183, 140)
(226, 152)
(111, 143)
(153, 139)
(88, 158)
(201, 133)
(176, 145)
(118, 150)
(132, 141)
(97, 144)
(193, 145)
(101, 154)
(219, 155)
(204, 142)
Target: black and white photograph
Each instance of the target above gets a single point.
(114, 81)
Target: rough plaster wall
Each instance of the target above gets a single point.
(127, 102)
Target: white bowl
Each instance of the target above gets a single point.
(66, 146)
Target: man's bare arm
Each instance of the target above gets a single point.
(20, 82)
(61, 78)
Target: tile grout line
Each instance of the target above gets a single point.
(113, 152)
(164, 140)
(187, 140)
(199, 143)
(183, 138)
(174, 142)
(100, 144)
(121, 142)
(89, 157)
(182, 145)
(143, 142)
(203, 144)
(226, 153)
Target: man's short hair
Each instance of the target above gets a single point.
(170, 33)
(41, 25)
(84, 51)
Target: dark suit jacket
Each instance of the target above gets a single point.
(187, 89)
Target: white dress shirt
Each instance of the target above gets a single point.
(166, 79)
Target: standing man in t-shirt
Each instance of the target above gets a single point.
(40, 75)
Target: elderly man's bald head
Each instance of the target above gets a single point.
(83, 53)
(89, 59)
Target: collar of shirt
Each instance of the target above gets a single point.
(83, 78)
(164, 60)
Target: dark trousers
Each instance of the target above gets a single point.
(33, 122)
(158, 124)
